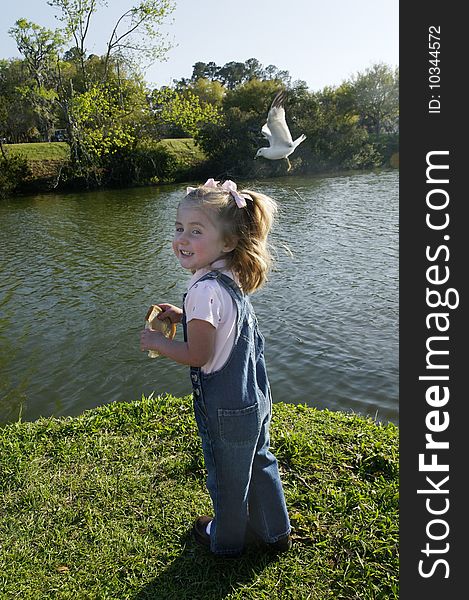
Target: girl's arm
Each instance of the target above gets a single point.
(196, 352)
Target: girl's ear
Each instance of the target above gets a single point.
(230, 244)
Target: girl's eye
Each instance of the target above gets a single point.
(196, 231)
(179, 229)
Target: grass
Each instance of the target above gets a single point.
(100, 507)
(45, 160)
(181, 147)
(40, 150)
(188, 156)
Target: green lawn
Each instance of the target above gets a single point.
(61, 150)
(100, 507)
(40, 150)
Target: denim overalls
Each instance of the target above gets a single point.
(233, 409)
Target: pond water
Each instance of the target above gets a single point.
(78, 272)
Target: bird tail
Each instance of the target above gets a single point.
(298, 140)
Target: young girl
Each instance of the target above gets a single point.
(221, 237)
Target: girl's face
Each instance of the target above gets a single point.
(198, 240)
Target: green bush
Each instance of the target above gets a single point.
(386, 145)
(231, 147)
(14, 171)
(144, 165)
(148, 163)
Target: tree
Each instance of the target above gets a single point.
(232, 74)
(80, 79)
(232, 144)
(253, 69)
(376, 98)
(335, 138)
(76, 16)
(253, 96)
(207, 91)
(272, 72)
(102, 122)
(235, 73)
(136, 32)
(39, 46)
(182, 113)
(203, 70)
(16, 114)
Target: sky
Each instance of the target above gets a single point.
(322, 42)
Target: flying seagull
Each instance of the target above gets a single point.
(277, 133)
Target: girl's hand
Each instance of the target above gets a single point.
(149, 340)
(173, 313)
(196, 352)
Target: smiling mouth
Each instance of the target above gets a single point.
(186, 253)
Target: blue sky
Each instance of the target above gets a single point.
(322, 42)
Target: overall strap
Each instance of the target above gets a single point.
(184, 320)
(231, 287)
(234, 291)
(228, 283)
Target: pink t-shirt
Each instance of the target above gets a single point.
(209, 301)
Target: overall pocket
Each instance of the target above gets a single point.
(239, 427)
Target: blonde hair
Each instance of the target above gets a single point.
(251, 259)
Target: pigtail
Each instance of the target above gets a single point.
(252, 258)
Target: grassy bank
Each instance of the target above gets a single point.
(61, 150)
(40, 151)
(46, 159)
(185, 149)
(100, 507)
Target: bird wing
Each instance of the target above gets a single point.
(276, 123)
(266, 132)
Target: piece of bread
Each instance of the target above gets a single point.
(152, 322)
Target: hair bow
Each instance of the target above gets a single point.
(229, 186)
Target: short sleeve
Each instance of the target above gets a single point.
(204, 302)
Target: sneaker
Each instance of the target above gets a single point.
(200, 530)
(281, 545)
(202, 537)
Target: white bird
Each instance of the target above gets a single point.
(276, 131)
